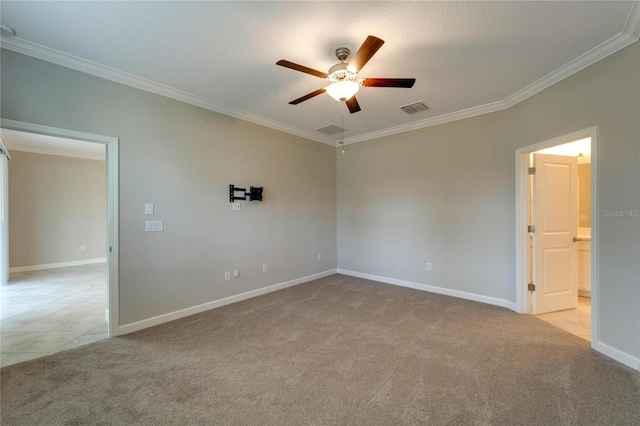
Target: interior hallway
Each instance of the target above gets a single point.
(52, 310)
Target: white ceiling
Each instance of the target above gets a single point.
(468, 57)
(43, 144)
(580, 148)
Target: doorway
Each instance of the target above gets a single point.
(105, 275)
(556, 260)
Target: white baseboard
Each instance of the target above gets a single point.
(618, 355)
(57, 265)
(584, 293)
(433, 289)
(171, 316)
(603, 348)
(510, 305)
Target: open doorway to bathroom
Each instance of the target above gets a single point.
(60, 200)
(558, 232)
(574, 315)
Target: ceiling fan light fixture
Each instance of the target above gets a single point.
(343, 90)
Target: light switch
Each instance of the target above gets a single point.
(148, 208)
(153, 226)
(235, 207)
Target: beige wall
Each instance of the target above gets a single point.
(584, 181)
(182, 158)
(429, 196)
(56, 204)
(446, 194)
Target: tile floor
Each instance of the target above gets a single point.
(43, 312)
(575, 321)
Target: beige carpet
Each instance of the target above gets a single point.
(339, 350)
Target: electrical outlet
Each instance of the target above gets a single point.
(265, 268)
(319, 257)
(153, 226)
(429, 266)
(227, 276)
(236, 273)
(82, 248)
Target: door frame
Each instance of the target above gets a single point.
(4, 211)
(522, 221)
(111, 145)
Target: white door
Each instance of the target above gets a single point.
(555, 216)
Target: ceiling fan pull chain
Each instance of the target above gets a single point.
(341, 128)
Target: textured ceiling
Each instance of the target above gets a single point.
(222, 55)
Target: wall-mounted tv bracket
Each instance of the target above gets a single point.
(254, 194)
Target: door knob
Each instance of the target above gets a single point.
(576, 239)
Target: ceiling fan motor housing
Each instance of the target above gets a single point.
(340, 72)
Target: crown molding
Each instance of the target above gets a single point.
(60, 58)
(632, 26)
(629, 35)
(594, 55)
(620, 41)
(429, 122)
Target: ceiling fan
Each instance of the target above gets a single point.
(344, 76)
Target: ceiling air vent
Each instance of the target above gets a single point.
(414, 107)
(331, 129)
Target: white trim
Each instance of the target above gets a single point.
(433, 289)
(35, 50)
(630, 34)
(113, 229)
(57, 265)
(632, 27)
(595, 238)
(429, 122)
(3, 144)
(61, 154)
(605, 49)
(522, 220)
(112, 200)
(172, 316)
(618, 355)
(522, 238)
(22, 126)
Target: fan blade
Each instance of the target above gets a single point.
(301, 68)
(352, 104)
(389, 82)
(309, 96)
(366, 51)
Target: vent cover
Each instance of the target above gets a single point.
(331, 129)
(415, 107)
